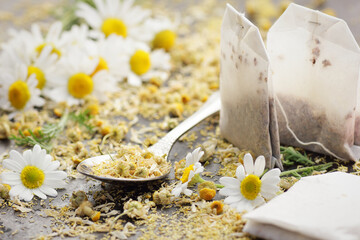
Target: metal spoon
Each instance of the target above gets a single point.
(161, 148)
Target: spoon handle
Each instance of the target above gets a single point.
(164, 145)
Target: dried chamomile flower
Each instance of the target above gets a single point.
(207, 190)
(209, 149)
(217, 207)
(83, 207)
(287, 182)
(162, 197)
(77, 198)
(179, 168)
(4, 191)
(133, 162)
(135, 209)
(5, 127)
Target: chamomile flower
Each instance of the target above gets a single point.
(18, 90)
(163, 32)
(119, 17)
(145, 64)
(111, 53)
(30, 44)
(32, 173)
(248, 190)
(76, 77)
(42, 66)
(192, 168)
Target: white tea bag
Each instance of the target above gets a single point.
(315, 63)
(247, 115)
(317, 207)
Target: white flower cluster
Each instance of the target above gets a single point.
(120, 42)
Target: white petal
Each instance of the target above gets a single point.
(177, 190)
(27, 157)
(13, 165)
(244, 206)
(240, 172)
(232, 199)
(187, 192)
(248, 164)
(48, 190)
(134, 80)
(17, 190)
(230, 182)
(38, 193)
(270, 190)
(189, 160)
(258, 201)
(15, 155)
(10, 178)
(52, 166)
(268, 195)
(230, 191)
(54, 175)
(27, 195)
(271, 174)
(259, 165)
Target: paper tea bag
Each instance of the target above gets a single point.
(315, 62)
(316, 207)
(247, 115)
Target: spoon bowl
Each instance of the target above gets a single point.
(161, 148)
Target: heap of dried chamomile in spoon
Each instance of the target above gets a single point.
(133, 162)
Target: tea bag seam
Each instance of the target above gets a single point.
(297, 139)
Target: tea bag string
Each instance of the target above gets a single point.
(297, 139)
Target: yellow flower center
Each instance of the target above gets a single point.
(164, 39)
(32, 177)
(207, 193)
(54, 50)
(250, 186)
(114, 25)
(102, 65)
(80, 85)
(218, 206)
(40, 76)
(19, 94)
(140, 62)
(185, 176)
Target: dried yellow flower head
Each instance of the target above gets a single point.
(4, 191)
(207, 190)
(135, 209)
(162, 197)
(217, 207)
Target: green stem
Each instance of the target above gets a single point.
(297, 172)
(219, 185)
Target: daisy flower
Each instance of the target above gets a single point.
(18, 90)
(248, 190)
(144, 64)
(42, 66)
(76, 77)
(32, 173)
(162, 32)
(119, 17)
(111, 53)
(192, 168)
(30, 44)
